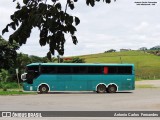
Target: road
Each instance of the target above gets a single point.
(140, 99)
(146, 99)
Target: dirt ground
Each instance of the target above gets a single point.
(154, 83)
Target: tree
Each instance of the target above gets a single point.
(52, 22)
(74, 60)
(143, 48)
(155, 47)
(7, 54)
(4, 75)
(35, 59)
(21, 61)
(111, 50)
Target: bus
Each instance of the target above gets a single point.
(102, 78)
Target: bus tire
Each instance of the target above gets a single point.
(43, 89)
(101, 88)
(112, 88)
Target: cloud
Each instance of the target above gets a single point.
(121, 24)
(142, 27)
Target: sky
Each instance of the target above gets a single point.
(121, 24)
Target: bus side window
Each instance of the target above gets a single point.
(105, 70)
(95, 70)
(64, 70)
(79, 70)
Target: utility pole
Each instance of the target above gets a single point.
(18, 78)
(58, 57)
(121, 59)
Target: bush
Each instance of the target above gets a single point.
(5, 81)
(74, 60)
(1, 85)
(11, 85)
(8, 85)
(4, 75)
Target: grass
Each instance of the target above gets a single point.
(12, 88)
(15, 92)
(147, 66)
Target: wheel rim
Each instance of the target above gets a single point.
(44, 89)
(112, 89)
(101, 89)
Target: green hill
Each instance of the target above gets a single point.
(147, 65)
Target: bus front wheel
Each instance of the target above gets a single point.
(43, 89)
(101, 88)
(112, 89)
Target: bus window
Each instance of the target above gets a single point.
(63, 70)
(112, 70)
(48, 69)
(95, 70)
(125, 70)
(79, 69)
(120, 70)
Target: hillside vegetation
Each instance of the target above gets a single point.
(147, 66)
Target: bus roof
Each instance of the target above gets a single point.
(79, 64)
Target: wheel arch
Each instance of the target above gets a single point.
(100, 84)
(43, 84)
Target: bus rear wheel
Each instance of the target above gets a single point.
(112, 89)
(101, 88)
(43, 89)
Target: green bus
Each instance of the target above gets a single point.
(102, 78)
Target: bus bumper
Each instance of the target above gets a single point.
(28, 87)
